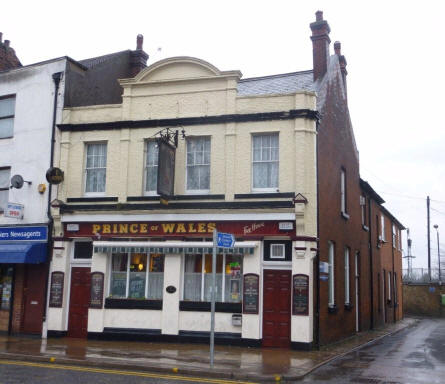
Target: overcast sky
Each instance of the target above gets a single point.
(394, 49)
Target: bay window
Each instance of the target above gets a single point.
(198, 278)
(265, 162)
(137, 276)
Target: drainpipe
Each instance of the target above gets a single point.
(317, 259)
(392, 282)
(56, 78)
(370, 262)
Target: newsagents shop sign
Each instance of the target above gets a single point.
(39, 233)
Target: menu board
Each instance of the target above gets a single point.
(300, 295)
(97, 290)
(56, 290)
(251, 293)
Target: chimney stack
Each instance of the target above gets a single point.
(7, 42)
(320, 45)
(8, 58)
(138, 58)
(1, 37)
(342, 62)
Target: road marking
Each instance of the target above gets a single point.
(124, 373)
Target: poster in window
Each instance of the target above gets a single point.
(56, 290)
(97, 290)
(251, 293)
(300, 295)
(137, 285)
(166, 169)
(234, 289)
(118, 284)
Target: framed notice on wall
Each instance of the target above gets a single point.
(97, 290)
(300, 295)
(56, 290)
(251, 293)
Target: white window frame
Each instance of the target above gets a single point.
(6, 187)
(197, 191)
(343, 206)
(331, 275)
(93, 194)
(269, 189)
(8, 117)
(145, 192)
(347, 282)
(394, 238)
(382, 227)
(283, 248)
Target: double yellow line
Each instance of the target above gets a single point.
(124, 373)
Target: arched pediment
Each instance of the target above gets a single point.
(181, 68)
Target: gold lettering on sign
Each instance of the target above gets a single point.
(123, 228)
(201, 227)
(168, 228)
(192, 228)
(211, 227)
(143, 228)
(106, 228)
(114, 228)
(96, 228)
(181, 228)
(133, 228)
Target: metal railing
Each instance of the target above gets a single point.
(421, 275)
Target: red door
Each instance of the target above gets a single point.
(276, 308)
(79, 302)
(34, 297)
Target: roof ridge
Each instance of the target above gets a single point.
(276, 75)
(103, 56)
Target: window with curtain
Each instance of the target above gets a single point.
(151, 167)
(5, 182)
(137, 276)
(265, 162)
(382, 227)
(7, 110)
(343, 191)
(198, 278)
(198, 164)
(331, 254)
(347, 288)
(95, 168)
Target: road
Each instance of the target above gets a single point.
(414, 355)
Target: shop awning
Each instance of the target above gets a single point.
(29, 253)
(240, 248)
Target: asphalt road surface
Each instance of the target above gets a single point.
(414, 355)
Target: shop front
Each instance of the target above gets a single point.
(23, 252)
(153, 281)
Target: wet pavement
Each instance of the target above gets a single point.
(253, 364)
(413, 355)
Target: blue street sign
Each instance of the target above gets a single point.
(225, 240)
(24, 233)
(324, 277)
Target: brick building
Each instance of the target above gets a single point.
(8, 58)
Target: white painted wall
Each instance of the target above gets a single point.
(28, 152)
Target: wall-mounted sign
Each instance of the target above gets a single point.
(166, 169)
(23, 233)
(173, 228)
(286, 225)
(54, 175)
(56, 290)
(170, 289)
(324, 267)
(14, 210)
(300, 295)
(74, 227)
(97, 290)
(251, 293)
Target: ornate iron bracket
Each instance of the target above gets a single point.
(171, 136)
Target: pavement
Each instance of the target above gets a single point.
(231, 363)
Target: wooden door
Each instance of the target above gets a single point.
(34, 297)
(79, 302)
(276, 308)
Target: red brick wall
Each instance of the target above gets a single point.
(8, 58)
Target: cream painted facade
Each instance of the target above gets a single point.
(177, 89)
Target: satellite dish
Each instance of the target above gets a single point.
(17, 181)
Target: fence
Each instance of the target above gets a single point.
(421, 275)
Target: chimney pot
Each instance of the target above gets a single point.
(337, 48)
(139, 42)
(319, 15)
(320, 45)
(7, 43)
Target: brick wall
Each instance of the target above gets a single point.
(423, 299)
(8, 58)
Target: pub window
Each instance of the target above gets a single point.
(198, 165)
(95, 168)
(137, 276)
(7, 108)
(198, 278)
(331, 274)
(83, 250)
(5, 176)
(151, 167)
(277, 251)
(265, 162)
(347, 288)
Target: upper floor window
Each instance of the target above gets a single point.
(394, 236)
(95, 168)
(5, 176)
(198, 164)
(151, 167)
(347, 288)
(265, 161)
(363, 210)
(7, 108)
(343, 192)
(382, 228)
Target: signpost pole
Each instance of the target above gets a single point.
(212, 314)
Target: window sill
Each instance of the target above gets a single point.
(365, 228)
(332, 309)
(345, 215)
(7, 137)
(87, 199)
(204, 306)
(115, 303)
(349, 306)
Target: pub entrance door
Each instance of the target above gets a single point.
(276, 308)
(79, 302)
